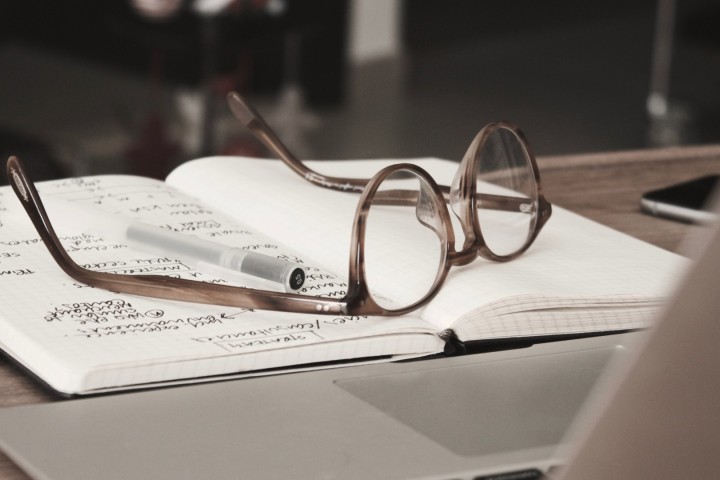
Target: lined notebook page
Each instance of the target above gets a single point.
(576, 267)
(579, 276)
(77, 337)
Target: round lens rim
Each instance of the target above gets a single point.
(358, 289)
(541, 204)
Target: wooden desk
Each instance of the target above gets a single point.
(605, 187)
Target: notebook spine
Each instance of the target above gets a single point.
(453, 345)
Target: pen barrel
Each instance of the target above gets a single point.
(200, 251)
(159, 241)
(264, 266)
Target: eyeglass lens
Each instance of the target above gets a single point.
(503, 168)
(405, 240)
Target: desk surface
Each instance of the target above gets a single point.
(605, 187)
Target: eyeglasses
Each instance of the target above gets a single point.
(402, 214)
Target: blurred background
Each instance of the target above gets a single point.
(138, 86)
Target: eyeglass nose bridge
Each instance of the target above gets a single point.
(426, 210)
(462, 257)
(462, 190)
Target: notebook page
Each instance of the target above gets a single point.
(576, 268)
(62, 330)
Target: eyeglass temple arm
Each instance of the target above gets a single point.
(155, 285)
(484, 200)
(249, 117)
(502, 202)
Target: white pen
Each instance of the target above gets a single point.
(195, 250)
(166, 242)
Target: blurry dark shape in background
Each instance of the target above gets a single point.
(574, 75)
(39, 158)
(173, 45)
(249, 39)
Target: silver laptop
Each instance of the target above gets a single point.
(657, 415)
(501, 415)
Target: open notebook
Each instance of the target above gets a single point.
(579, 277)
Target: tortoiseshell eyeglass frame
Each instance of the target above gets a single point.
(358, 300)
